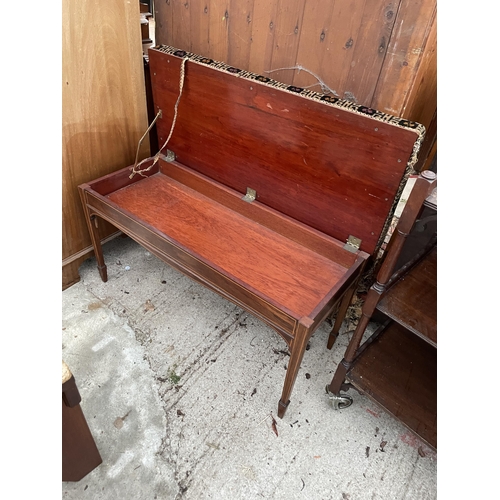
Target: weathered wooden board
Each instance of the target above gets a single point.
(373, 53)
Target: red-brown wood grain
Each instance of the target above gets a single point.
(290, 228)
(379, 53)
(286, 272)
(329, 168)
(183, 259)
(321, 173)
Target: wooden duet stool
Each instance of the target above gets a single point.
(273, 196)
(79, 451)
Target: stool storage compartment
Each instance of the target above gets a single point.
(273, 196)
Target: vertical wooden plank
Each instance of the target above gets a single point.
(163, 22)
(369, 49)
(263, 30)
(408, 39)
(346, 21)
(181, 24)
(286, 39)
(240, 32)
(326, 43)
(199, 28)
(421, 99)
(218, 29)
(428, 148)
(313, 39)
(103, 103)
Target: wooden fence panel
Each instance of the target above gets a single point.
(367, 51)
(405, 52)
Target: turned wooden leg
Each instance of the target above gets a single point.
(297, 350)
(96, 240)
(341, 371)
(344, 305)
(366, 313)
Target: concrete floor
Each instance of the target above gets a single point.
(180, 388)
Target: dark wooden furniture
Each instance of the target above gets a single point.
(397, 365)
(145, 16)
(79, 451)
(273, 196)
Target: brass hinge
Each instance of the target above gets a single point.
(170, 156)
(352, 244)
(250, 196)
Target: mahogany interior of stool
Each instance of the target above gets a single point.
(278, 267)
(326, 165)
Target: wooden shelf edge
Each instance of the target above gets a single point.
(399, 372)
(411, 300)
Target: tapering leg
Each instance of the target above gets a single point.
(297, 349)
(96, 241)
(344, 305)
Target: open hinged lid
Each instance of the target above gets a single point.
(331, 164)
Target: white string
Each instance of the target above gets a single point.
(324, 87)
(157, 155)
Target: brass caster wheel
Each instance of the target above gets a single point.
(339, 402)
